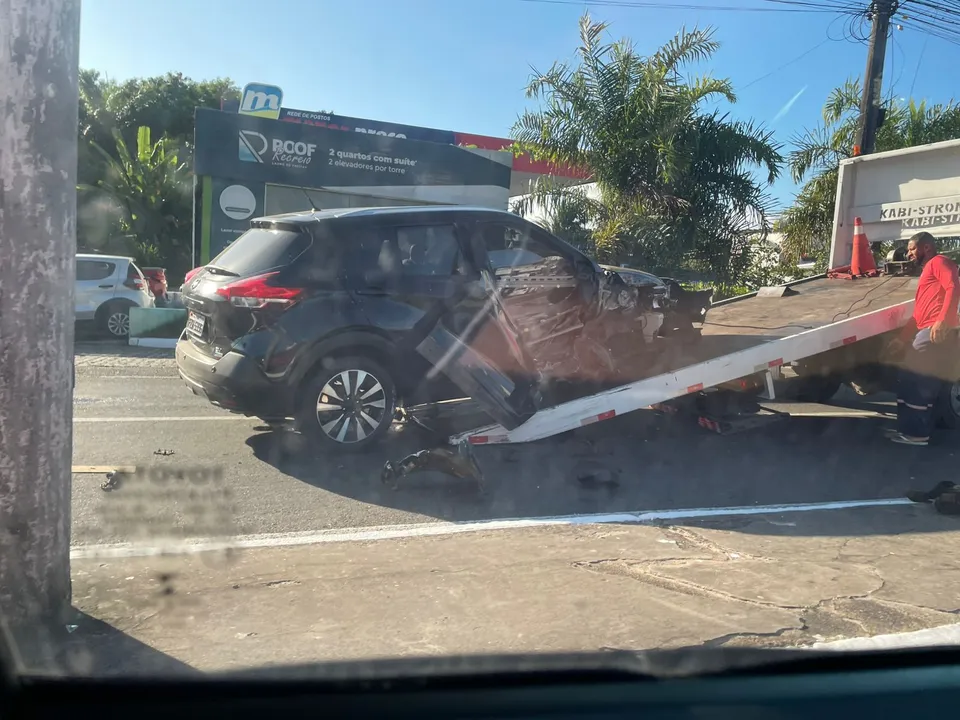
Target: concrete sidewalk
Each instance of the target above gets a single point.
(112, 354)
(785, 580)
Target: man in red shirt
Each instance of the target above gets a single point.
(932, 338)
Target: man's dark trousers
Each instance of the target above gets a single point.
(926, 368)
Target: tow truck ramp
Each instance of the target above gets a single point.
(767, 331)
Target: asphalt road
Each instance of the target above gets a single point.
(144, 416)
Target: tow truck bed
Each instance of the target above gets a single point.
(741, 337)
(751, 320)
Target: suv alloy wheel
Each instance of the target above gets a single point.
(349, 404)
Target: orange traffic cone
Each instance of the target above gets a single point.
(862, 262)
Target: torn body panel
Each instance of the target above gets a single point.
(542, 335)
(510, 401)
(458, 462)
(540, 324)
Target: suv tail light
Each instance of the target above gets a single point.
(191, 273)
(254, 293)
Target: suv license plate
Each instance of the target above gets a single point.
(195, 324)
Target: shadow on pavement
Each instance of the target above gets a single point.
(90, 647)
(87, 331)
(638, 463)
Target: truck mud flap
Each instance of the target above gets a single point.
(505, 401)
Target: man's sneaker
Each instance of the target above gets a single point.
(902, 439)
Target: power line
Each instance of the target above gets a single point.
(786, 64)
(917, 71)
(935, 19)
(789, 7)
(893, 63)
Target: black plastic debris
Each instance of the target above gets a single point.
(164, 453)
(114, 480)
(458, 461)
(945, 496)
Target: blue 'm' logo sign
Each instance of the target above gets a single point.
(261, 100)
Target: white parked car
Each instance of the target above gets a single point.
(107, 286)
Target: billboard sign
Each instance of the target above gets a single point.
(521, 163)
(367, 127)
(242, 147)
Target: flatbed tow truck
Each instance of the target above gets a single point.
(820, 326)
(827, 331)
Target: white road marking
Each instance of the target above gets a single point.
(845, 414)
(163, 418)
(96, 378)
(392, 532)
(101, 469)
(945, 635)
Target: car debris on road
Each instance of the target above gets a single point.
(458, 461)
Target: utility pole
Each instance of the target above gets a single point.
(39, 58)
(870, 110)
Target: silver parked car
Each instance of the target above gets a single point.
(107, 286)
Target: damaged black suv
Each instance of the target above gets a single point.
(337, 318)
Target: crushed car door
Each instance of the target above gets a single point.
(544, 287)
(467, 339)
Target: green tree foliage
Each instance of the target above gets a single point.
(807, 226)
(165, 104)
(148, 207)
(678, 185)
(96, 124)
(570, 214)
(111, 118)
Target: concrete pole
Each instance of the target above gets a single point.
(39, 57)
(871, 99)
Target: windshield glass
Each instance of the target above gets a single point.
(526, 326)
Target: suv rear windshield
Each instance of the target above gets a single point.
(261, 249)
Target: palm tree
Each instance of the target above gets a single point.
(808, 225)
(151, 199)
(669, 175)
(569, 212)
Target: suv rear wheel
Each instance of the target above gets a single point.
(349, 404)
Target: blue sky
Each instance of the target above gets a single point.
(462, 64)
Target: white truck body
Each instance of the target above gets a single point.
(897, 194)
